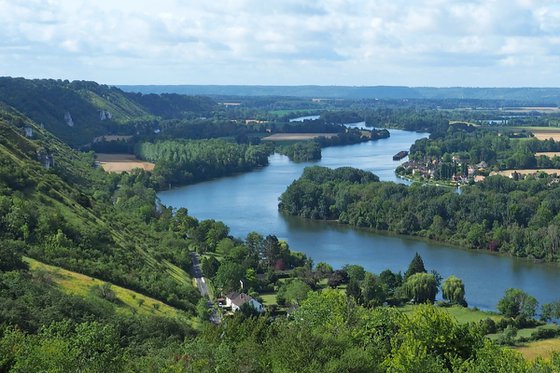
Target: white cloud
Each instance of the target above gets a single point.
(426, 42)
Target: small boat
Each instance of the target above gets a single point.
(400, 155)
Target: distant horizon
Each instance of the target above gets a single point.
(426, 43)
(328, 85)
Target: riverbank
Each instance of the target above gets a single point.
(248, 202)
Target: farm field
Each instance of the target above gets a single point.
(545, 134)
(297, 136)
(548, 154)
(530, 171)
(529, 109)
(122, 162)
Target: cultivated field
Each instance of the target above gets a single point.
(545, 134)
(508, 173)
(529, 109)
(297, 136)
(122, 162)
(548, 154)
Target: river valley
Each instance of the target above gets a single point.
(249, 202)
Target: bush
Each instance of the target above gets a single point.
(544, 333)
(488, 326)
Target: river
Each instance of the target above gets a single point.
(249, 202)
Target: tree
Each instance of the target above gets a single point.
(229, 276)
(415, 266)
(337, 278)
(355, 272)
(421, 287)
(550, 311)
(210, 266)
(353, 290)
(10, 256)
(390, 280)
(373, 293)
(453, 290)
(517, 303)
(292, 292)
(271, 249)
(202, 309)
(323, 269)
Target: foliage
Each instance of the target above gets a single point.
(499, 214)
(453, 290)
(517, 303)
(292, 292)
(415, 266)
(302, 151)
(182, 162)
(421, 287)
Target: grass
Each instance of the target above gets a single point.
(129, 301)
(543, 349)
(268, 299)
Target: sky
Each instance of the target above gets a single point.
(439, 43)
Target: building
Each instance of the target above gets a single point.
(236, 300)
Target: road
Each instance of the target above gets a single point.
(197, 272)
(203, 288)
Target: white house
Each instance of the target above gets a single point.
(236, 300)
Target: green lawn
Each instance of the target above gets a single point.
(268, 299)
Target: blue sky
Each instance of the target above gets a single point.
(332, 42)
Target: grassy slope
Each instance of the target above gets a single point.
(82, 285)
(544, 348)
(60, 197)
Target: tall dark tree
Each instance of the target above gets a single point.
(415, 266)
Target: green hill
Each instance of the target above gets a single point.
(62, 210)
(79, 111)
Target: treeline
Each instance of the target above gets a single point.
(170, 105)
(303, 151)
(519, 218)
(183, 162)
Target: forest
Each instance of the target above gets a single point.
(186, 161)
(518, 218)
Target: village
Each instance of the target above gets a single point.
(454, 170)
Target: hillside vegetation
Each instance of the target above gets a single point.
(78, 111)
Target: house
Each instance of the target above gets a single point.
(28, 131)
(479, 178)
(236, 300)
